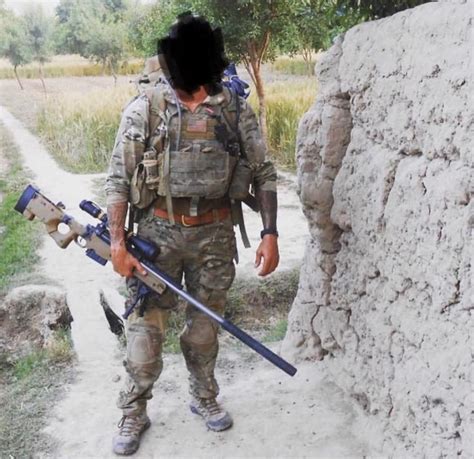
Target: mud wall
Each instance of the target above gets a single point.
(385, 168)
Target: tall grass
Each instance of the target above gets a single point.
(69, 66)
(292, 66)
(286, 104)
(80, 130)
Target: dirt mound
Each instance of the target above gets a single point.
(29, 315)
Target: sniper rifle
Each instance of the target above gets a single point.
(96, 241)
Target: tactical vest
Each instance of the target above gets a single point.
(203, 154)
(190, 155)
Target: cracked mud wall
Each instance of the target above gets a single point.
(385, 168)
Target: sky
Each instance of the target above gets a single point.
(19, 5)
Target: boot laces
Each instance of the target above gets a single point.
(210, 406)
(130, 426)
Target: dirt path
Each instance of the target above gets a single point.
(275, 415)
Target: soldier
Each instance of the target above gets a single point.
(183, 153)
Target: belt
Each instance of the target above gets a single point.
(214, 215)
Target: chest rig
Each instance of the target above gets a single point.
(193, 155)
(203, 152)
(188, 155)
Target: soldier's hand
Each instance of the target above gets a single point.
(268, 252)
(124, 262)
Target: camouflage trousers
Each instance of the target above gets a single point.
(204, 256)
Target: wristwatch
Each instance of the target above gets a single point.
(268, 231)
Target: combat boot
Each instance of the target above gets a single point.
(127, 440)
(216, 417)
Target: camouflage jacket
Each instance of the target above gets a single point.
(133, 135)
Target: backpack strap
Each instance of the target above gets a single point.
(157, 110)
(158, 113)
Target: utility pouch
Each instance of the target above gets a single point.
(140, 195)
(151, 162)
(241, 180)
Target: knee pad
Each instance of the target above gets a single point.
(200, 331)
(144, 351)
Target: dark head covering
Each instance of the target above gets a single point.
(194, 53)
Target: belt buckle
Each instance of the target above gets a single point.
(183, 222)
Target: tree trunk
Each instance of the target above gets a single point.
(262, 107)
(252, 62)
(114, 73)
(307, 58)
(42, 77)
(17, 77)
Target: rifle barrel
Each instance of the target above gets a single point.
(224, 323)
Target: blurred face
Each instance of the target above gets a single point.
(194, 54)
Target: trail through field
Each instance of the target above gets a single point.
(275, 415)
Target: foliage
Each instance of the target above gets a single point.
(106, 43)
(148, 23)
(39, 29)
(95, 29)
(318, 22)
(253, 31)
(14, 44)
(380, 8)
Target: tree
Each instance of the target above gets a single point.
(95, 29)
(14, 41)
(74, 19)
(318, 22)
(39, 28)
(254, 30)
(106, 44)
(148, 23)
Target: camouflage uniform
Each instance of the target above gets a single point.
(203, 254)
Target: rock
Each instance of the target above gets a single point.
(29, 315)
(385, 170)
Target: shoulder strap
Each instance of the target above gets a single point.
(157, 111)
